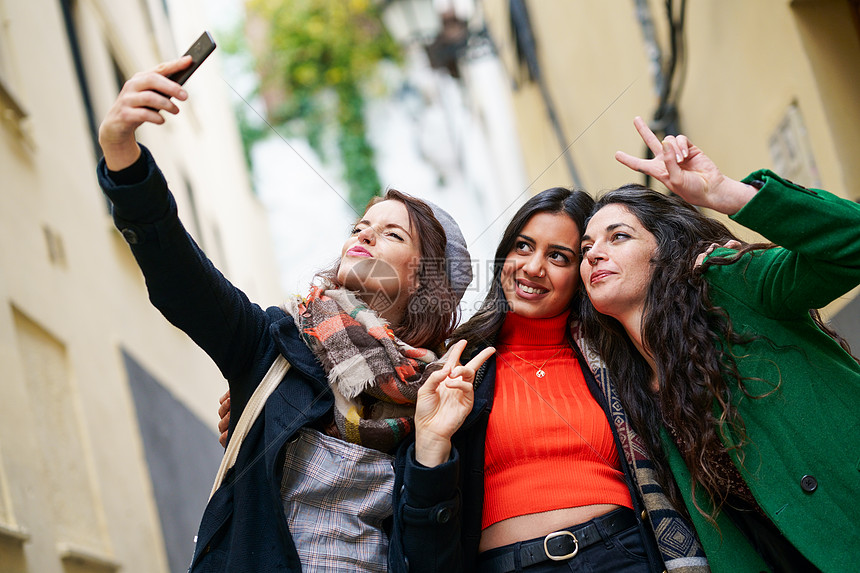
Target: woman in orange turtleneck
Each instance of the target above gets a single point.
(528, 473)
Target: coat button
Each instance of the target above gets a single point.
(644, 515)
(131, 236)
(443, 515)
(808, 483)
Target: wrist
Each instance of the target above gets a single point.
(118, 156)
(431, 451)
(736, 196)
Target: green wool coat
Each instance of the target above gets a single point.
(808, 424)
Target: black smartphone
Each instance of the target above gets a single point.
(199, 51)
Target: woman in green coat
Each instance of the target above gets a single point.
(739, 391)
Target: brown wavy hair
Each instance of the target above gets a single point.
(432, 311)
(696, 367)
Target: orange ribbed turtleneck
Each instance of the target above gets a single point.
(549, 445)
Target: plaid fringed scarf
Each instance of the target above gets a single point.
(676, 537)
(374, 376)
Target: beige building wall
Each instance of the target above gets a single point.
(75, 488)
(762, 80)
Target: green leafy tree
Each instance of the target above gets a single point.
(319, 47)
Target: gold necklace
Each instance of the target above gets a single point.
(540, 372)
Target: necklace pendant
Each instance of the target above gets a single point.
(540, 373)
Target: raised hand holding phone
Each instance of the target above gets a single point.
(141, 99)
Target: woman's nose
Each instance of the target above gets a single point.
(593, 255)
(534, 266)
(367, 235)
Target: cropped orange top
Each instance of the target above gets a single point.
(549, 445)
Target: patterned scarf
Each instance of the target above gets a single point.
(374, 376)
(676, 537)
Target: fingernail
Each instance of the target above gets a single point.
(686, 152)
(678, 158)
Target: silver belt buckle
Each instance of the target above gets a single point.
(555, 534)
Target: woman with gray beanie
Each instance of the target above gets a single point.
(311, 486)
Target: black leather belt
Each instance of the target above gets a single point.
(559, 545)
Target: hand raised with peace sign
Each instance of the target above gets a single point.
(444, 401)
(686, 171)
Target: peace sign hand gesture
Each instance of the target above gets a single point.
(444, 401)
(687, 172)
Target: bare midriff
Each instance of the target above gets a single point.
(525, 527)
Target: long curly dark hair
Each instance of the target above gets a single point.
(678, 319)
(696, 368)
(482, 328)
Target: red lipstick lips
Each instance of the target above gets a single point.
(358, 251)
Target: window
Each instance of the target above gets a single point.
(8, 528)
(182, 454)
(791, 151)
(52, 400)
(70, 18)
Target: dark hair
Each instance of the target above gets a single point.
(683, 328)
(483, 327)
(675, 320)
(431, 312)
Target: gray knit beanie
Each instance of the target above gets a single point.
(458, 264)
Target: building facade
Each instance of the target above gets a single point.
(771, 83)
(107, 419)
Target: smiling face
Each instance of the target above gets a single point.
(616, 266)
(381, 258)
(541, 272)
